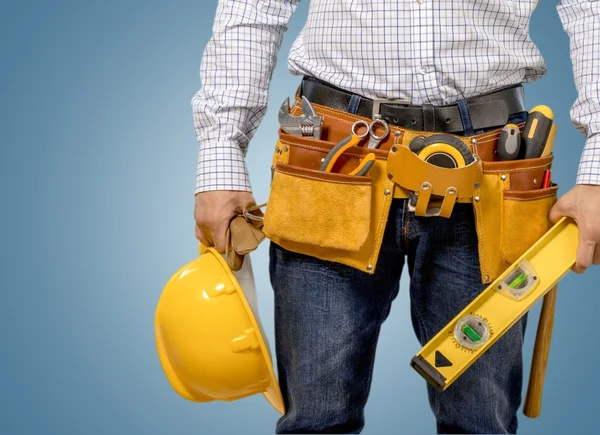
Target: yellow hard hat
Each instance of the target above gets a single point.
(209, 337)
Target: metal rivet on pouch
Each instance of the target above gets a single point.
(476, 185)
(390, 175)
(452, 192)
(474, 141)
(323, 159)
(503, 177)
(425, 187)
(369, 267)
(535, 181)
(476, 199)
(285, 148)
(278, 149)
(394, 148)
(486, 278)
(387, 192)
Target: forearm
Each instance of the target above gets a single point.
(235, 72)
(581, 21)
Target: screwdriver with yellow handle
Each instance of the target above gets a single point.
(538, 136)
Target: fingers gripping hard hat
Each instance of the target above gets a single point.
(209, 338)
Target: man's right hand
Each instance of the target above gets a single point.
(213, 213)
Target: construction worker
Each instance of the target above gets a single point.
(437, 55)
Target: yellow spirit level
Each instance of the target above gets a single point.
(498, 307)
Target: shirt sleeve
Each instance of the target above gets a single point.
(581, 21)
(235, 72)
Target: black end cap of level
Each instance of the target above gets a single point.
(431, 375)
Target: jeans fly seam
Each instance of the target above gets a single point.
(406, 220)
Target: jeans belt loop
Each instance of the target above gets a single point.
(465, 116)
(428, 117)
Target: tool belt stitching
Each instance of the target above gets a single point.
(492, 138)
(365, 182)
(342, 116)
(505, 171)
(326, 150)
(382, 222)
(518, 198)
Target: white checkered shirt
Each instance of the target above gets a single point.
(423, 50)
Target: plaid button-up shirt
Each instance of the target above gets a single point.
(426, 51)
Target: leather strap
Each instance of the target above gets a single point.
(487, 111)
(243, 236)
(410, 172)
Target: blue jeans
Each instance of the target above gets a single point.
(328, 317)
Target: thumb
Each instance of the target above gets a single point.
(559, 210)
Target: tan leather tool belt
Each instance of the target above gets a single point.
(339, 217)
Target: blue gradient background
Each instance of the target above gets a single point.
(97, 177)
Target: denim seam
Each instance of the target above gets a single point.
(405, 228)
(371, 366)
(389, 301)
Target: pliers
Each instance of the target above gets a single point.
(342, 146)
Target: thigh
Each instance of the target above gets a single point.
(327, 321)
(445, 277)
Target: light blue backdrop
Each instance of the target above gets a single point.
(98, 170)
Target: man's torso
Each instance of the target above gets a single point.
(427, 51)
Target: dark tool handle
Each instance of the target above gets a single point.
(533, 400)
(509, 143)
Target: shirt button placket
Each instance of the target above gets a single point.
(423, 51)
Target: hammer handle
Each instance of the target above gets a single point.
(541, 350)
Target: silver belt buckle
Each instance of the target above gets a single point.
(377, 102)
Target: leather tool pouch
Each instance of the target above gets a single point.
(328, 215)
(317, 208)
(342, 218)
(512, 211)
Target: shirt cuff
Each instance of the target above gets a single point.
(221, 167)
(589, 166)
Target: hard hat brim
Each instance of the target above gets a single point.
(273, 392)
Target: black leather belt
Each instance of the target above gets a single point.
(486, 111)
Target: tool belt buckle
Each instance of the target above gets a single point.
(377, 102)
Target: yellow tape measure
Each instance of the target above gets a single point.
(498, 307)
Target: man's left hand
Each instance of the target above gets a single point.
(582, 203)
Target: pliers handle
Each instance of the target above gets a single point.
(342, 146)
(337, 150)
